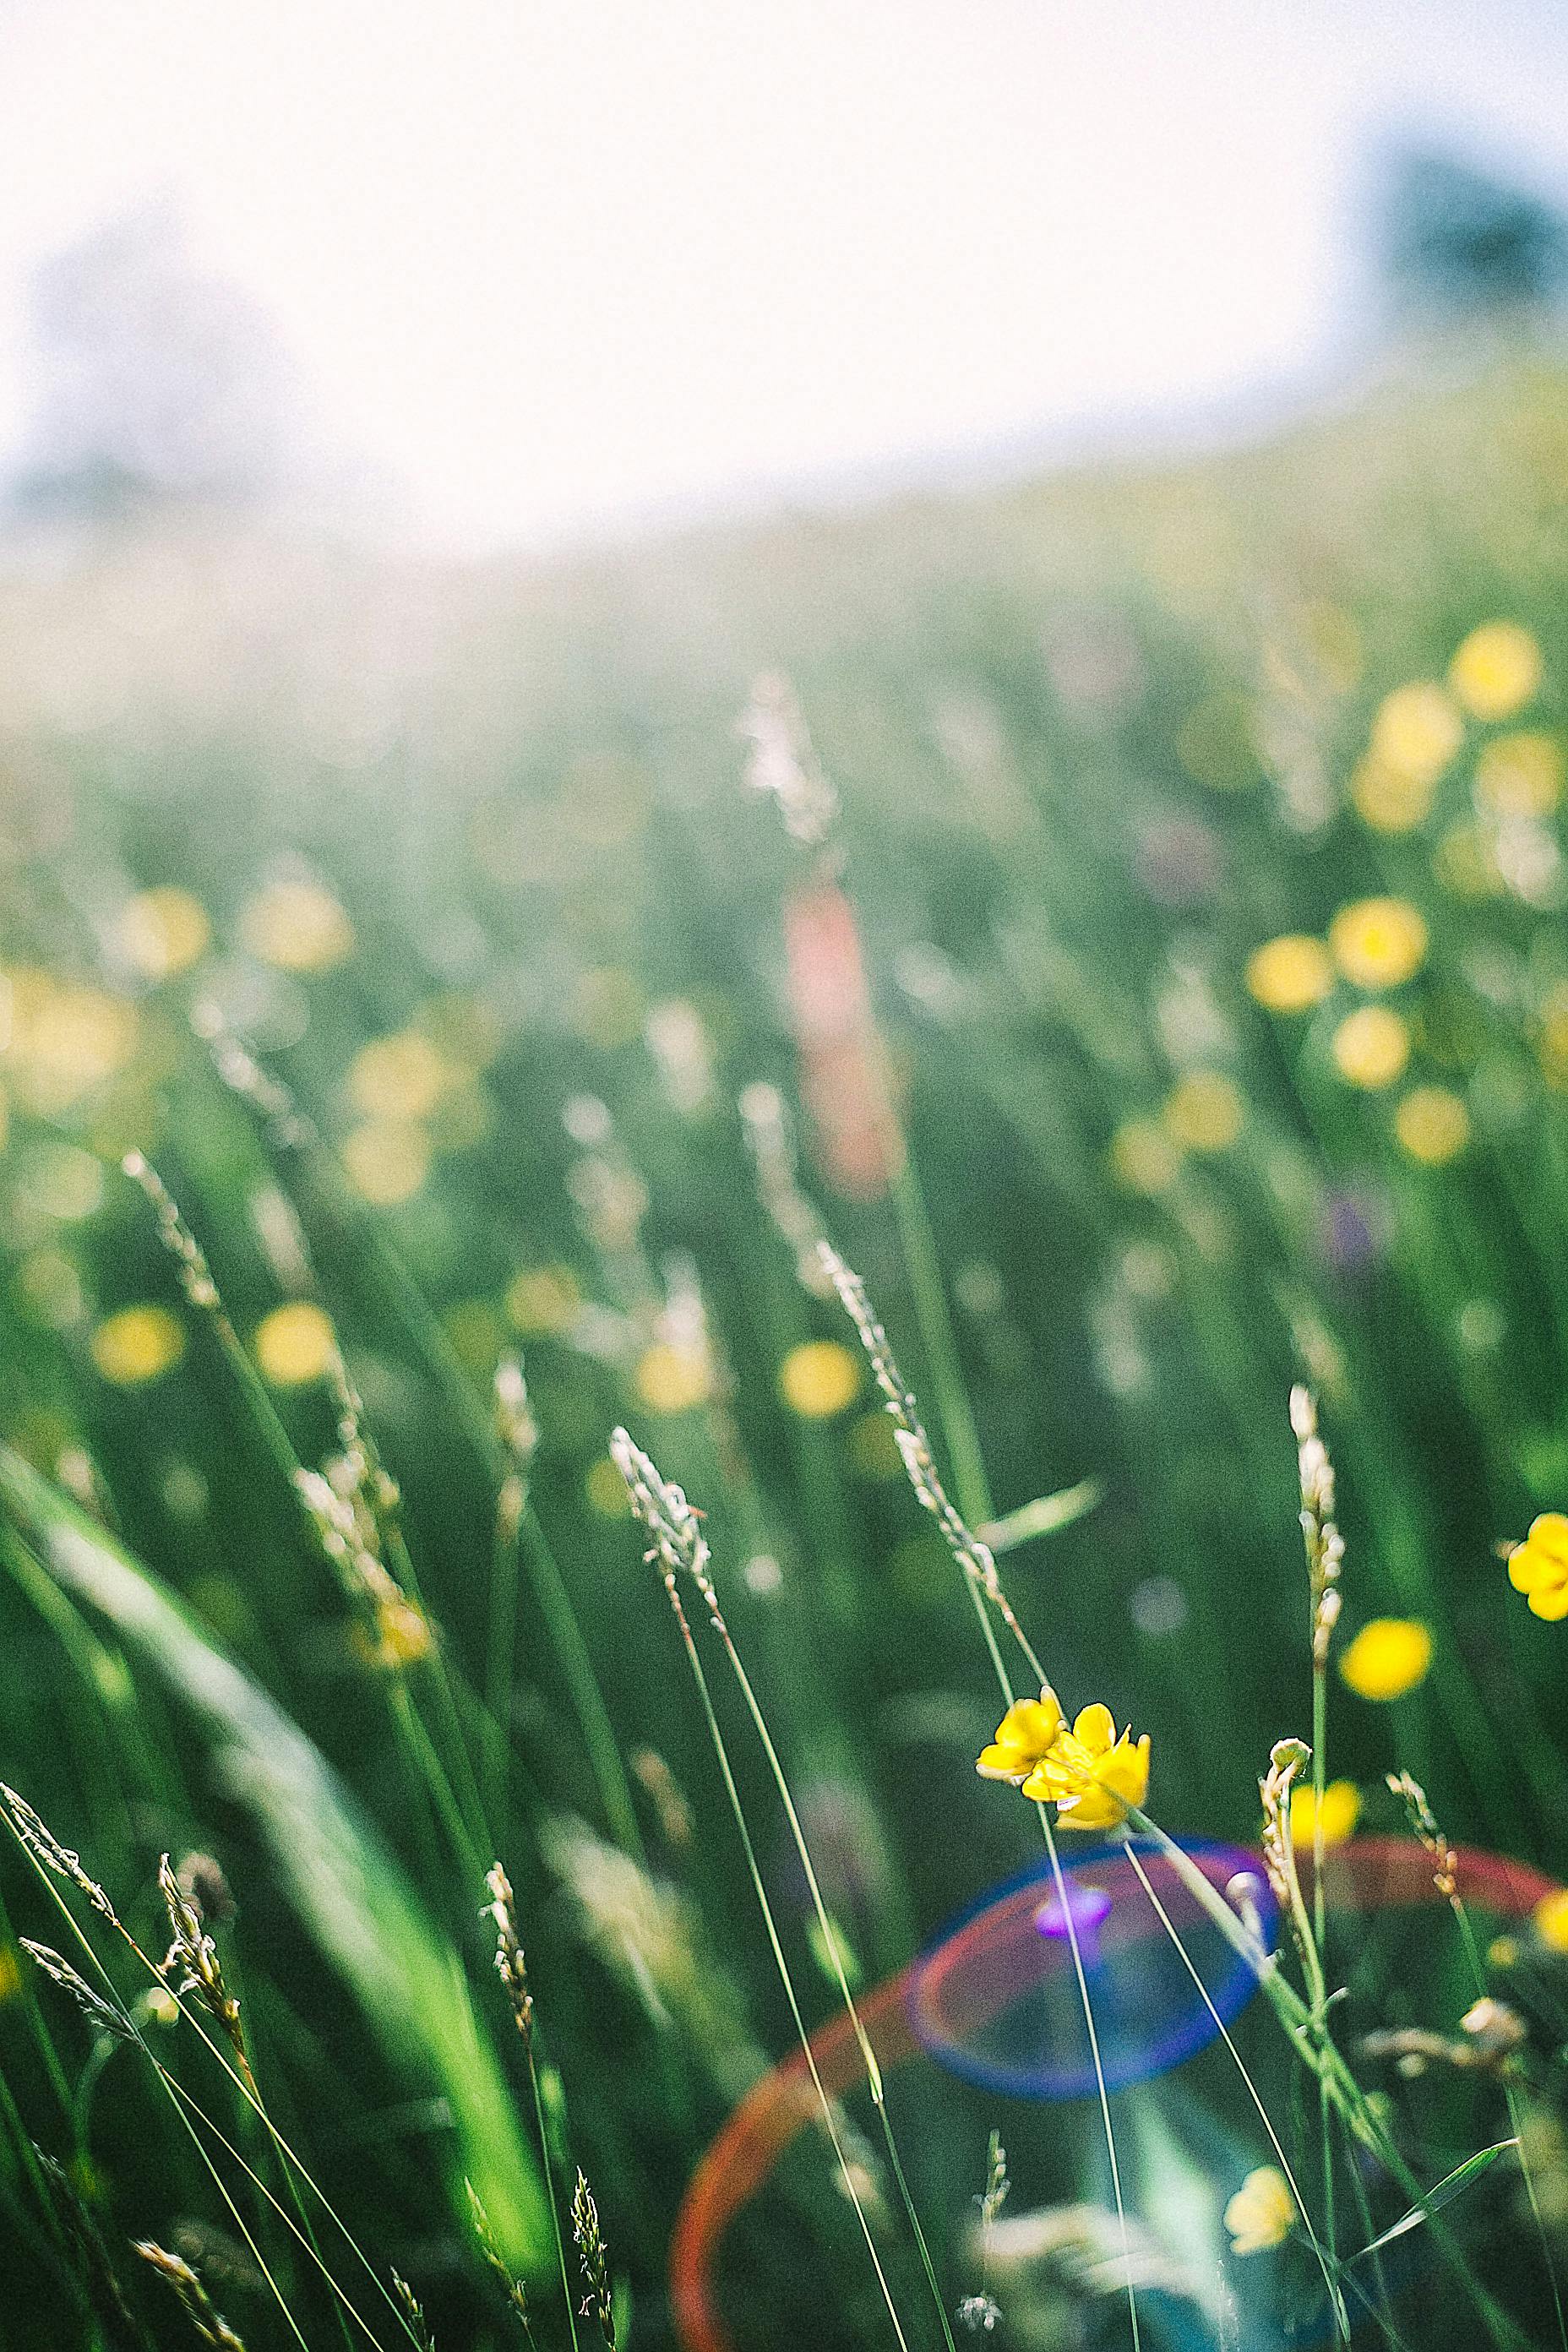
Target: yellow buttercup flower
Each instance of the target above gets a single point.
(1378, 943)
(295, 1344)
(139, 1344)
(1433, 1124)
(1550, 1918)
(1261, 2213)
(1416, 732)
(1520, 775)
(1091, 1775)
(1025, 1737)
(1291, 973)
(1539, 1566)
(1388, 1657)
(1371, 1047)
(1203, 1111)
(818, 1379)
(164, 931)
(1341, 1811)
(1497, 670)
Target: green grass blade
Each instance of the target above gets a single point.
(346, 1886)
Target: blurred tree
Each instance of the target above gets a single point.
(157, 382)
(1457, 242)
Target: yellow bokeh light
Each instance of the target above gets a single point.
(1388, 800)
(137, 1344)
(820, 1378)
(1387, 1658)
(1520, 775)
(670, 1378)
(1144, 1158)
(1550, 1918)
(1378, 943)
(296, 1344)
(1204, 1111)
(402, 1076)
(163, 932)
(1433, 1124)
(1416, 732)
(543, 1300)
(606, 1490)
(1290, 974)
(1497, 670)
(1341, 1811)
(298, 927)
(387, 1161)
(1371, 1047)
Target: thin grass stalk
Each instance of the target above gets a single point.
(978, 1569)
(663, 1553)
(291, 1136)
(1444, 1877)
(830, 1943)
(1336, 2301)
(1088, 2007)
(192, 2015)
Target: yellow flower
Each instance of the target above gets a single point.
(299, 926)
(672, 1380)
(387, 1161)
(818, 1379)
(1341, 1811)
(1371, 1047)
(1416, 732)
(164, 931)
(1290, 974)
(1025, 1737)
(1539, 1566)
(1261, 2213)
(1550, 1918)
(1091, 1775)
(1433, 1124)
(1378, 943)
(295, 1344)
(137, 1344)
(1497, 670)
(1388, 1657)
(1203, 1111)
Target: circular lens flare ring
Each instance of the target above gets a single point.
(1364, 1876)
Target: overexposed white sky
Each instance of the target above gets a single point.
(548, 267)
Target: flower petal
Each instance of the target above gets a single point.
(1095, 1728)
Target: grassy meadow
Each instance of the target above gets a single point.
(439, 1030)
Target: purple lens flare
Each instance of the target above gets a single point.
(995, 1998)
